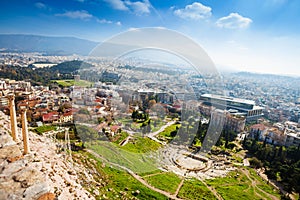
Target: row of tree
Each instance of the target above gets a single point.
(281, 163)
(42, 76)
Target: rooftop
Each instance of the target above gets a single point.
(231, 99)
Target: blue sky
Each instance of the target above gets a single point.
(247, 35)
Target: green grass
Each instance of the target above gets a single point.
(168, 130)
(151, 172)
(133, 125)
(42, 129)
(239, 191)
(166, 134)
(165, 181)
(141, 145)
(238, 186)
(195, 189)
(120, 137)
(296, 196)
(263, 185)
(120, 182)
(229, 179)
(237, 158)
(159, 124)
(71, 82)
(137, 162)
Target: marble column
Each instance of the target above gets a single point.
(13, 117)
(25, 131)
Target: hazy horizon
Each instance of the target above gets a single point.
(221, 68)
(239, 35)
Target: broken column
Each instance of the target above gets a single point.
(13, 117)
(25, 131)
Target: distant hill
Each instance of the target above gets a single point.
(70, 66)
(264, 75)
(43, 76)
(45, 44)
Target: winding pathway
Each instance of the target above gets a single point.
(137, 177)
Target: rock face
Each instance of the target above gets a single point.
(43, 174)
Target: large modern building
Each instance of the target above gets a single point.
(235, 106)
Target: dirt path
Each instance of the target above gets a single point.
(125, 141)
(254, 185)
(213, 190)
(137, 177)
(149, 175)
(275, 184)
(153, 134)
(179, 187)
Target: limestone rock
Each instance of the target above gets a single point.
(13, 197)
(10, 187)
(28, 176)
(14, 167)
(43, 174)
(11, 151)
(3, 194)
(6, 140)
(36, 190)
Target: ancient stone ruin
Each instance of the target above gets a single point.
(30, 168)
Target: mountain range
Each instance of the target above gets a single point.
(45, 44)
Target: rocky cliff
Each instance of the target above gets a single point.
(41, 174)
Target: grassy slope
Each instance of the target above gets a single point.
(137, 162)
(117, 184)
(195, 189)
(71, 82)
(237, 186)
(164, 181)
(137, 156)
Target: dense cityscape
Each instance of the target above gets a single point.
(146, 99)
(129, 104)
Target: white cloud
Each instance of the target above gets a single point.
(78, 14)
(40, 5)
(194, 11)
(234, 21)
(139, 7)
(117, 4)
(104, 21)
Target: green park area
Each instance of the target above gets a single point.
(138, 158)
(134, 156)
(240, 184)
(195, 189)
(71, 82)
(115, 183)
(165, 181)
(243, 183)
(169, 132)
(42, 129)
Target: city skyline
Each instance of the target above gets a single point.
(237, 35)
